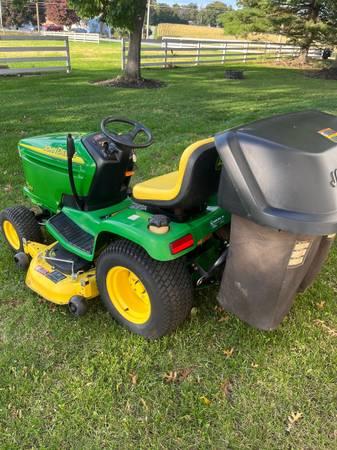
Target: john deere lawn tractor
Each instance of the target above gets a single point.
(254, 207)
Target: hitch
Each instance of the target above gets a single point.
(208, 275)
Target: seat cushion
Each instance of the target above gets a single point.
(165, 187)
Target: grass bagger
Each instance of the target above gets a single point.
(254, 207)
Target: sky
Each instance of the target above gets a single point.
(199, 2)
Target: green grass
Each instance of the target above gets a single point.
(66, 383)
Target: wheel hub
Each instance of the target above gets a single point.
(128, 295)
(11, 234)
(137, 287)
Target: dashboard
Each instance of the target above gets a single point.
(101, 145)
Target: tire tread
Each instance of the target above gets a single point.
(173, 282)
(24, 221)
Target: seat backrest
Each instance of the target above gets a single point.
(199, 170)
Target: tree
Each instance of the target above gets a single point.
(188, 12)
(60, 14)
(211, 13)
(126, 14)
(252, 17)
(163, 13)
(306, 22)
(18, 12)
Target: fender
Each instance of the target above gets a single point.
(132, 224)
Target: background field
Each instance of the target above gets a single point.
(90, 384)
(202, 32)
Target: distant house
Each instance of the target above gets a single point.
(95, 25)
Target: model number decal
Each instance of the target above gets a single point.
(55, 276)
(134, 217)
(56, 152)
(216, 223)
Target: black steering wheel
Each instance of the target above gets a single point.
(127, 139)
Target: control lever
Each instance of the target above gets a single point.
(71, 150)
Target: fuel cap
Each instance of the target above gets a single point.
(159, 224)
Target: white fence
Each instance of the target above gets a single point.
(170, 52)
(30, 52)
(72, 36)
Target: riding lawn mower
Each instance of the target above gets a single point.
(254, 207)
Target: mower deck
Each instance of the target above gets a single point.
(53, 284)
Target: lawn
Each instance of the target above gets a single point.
(90, 384)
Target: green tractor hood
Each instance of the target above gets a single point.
(44, 160)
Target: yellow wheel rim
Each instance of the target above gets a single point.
(11, 235)
(128, 295)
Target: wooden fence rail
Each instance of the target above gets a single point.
(72, 36)
(16, 64)
(170, 52)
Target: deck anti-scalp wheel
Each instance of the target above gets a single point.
(149, 297)
(18, 223)
(22, 261)
(77, 306)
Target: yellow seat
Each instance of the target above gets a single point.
(166, 188)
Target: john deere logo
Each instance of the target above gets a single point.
(55, 150)
(333, 176)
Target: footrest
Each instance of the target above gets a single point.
(72, 233)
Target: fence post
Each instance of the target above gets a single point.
(246, 52)
(123, 54)
(198, 54)
(294, 52)
(265, 51)
(279, 52)
(66, 40)
(224, 53)
(165, 55)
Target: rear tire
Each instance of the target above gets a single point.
(18, 223)
(149, 297)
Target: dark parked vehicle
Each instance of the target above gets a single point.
(53, 27)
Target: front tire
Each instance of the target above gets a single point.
(17, 224)
(150, 298)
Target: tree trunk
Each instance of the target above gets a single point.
(132, 70)
(303, 57)
(315, 7)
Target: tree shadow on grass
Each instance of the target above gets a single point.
(188, 90)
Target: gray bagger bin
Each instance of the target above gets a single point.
(279, 181)
(262, 277)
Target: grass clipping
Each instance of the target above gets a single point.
(122, 82)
